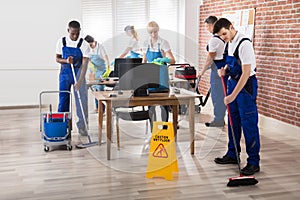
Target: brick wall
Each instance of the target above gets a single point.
(277, 49)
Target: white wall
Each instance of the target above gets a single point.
(29, 32)
(192, 30)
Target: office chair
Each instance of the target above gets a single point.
(131, 114)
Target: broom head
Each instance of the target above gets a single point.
(242, 181)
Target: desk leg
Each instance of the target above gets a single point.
(175, 120)
(108, 127)
(192, 123)
(100, 121)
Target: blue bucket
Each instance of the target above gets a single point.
(56, 128)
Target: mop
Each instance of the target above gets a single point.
(240, 180)
(90, 143)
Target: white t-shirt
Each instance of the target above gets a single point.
(85, 47)
(134, 45)
(246, 51)
(216, 45)
(98, 50)
(164, 45)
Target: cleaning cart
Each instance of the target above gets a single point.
(189, 73)
(55, 127)
(202, 99)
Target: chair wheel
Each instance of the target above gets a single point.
(69, 147)
(197, 108)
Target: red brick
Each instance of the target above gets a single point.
(277, 48)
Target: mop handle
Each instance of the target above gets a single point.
(50, 108)
(78, 93)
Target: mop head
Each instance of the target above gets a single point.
(86, 145)
(242, 181)
(89, 144)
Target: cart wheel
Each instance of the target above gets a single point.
(69, 147)
(46, 148)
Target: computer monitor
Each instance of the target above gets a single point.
(163, 81)
(139, 77)
(119, 61)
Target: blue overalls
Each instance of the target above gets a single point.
(151, 55)
(217, 93)
(66, 80)
(134, 54)
(100, 67)
(243, 111)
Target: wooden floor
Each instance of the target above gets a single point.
(27, 172)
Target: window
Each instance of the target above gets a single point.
(97, 18)
(105, 20)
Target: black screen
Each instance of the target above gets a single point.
(134, 76)
(119, 61)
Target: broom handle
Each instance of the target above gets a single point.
(228, 107)
(231, 126)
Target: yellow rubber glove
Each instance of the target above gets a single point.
(106, 73)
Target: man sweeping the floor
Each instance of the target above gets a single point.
(241, 96)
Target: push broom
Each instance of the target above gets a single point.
(240, 180)
(90, 143)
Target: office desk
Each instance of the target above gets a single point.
(110, 82)
(177, 82)
(154, 99)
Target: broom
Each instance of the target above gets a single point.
(240, 180)
(90, 143)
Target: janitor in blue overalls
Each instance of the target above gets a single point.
(73, 50)
(157, 48)
(241, 96)
(215, 60)
(99, 63)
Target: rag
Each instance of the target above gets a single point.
(161, 61)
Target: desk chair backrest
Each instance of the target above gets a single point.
(131, 114)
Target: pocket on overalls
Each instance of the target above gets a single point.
(249, 87)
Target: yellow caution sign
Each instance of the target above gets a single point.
(162, 158)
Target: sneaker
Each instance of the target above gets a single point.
(215, 124)
(226, 160)
(250, 170)
(83, 132)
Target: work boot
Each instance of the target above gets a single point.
(226, 160)
(250, 170)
